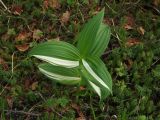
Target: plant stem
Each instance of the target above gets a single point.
(92, 109)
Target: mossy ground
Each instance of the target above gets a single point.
(133, 59)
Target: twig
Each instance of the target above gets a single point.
(31, 109)
(5, 6)
(17, 65)
(117, 36)
(21, 112)
(106, 53)
(13, 62)
(132, 3)
(111, 8)
(3, 89)
(82, 16)
(156, 10)
(155, 62)
(79, 10)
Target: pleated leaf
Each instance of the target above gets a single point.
(57, 53)
(98, 76)
(59, 74)
(86, 38)
(101, 41)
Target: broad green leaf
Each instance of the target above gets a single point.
(87, 36)
(59, 74)
(57, 53)
(101, 41)
(98, 76)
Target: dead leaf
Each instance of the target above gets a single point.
(128, 63)
(77, 108)
(129, 23)
(108, 21)
(156, 2)
(141, 30)
(17, 9)
(128, 27)
(54, 4)
(27, 82)
(46, 4)
(132, 42)
(10, 101)
(65, 17)
(5, 37)
(80, 118)
(22, 36)
(82, 88)
(4, 64)
(34, 85)
(37, 34)
(22, 48)
(1, 61)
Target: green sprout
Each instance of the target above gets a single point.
(79, 65)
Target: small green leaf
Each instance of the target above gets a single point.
(59, 74)
(57, 53)
(86, 38)
(98, 76)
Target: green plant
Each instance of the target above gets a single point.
(82, 65)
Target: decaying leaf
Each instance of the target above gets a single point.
(17, 9)
(10, 101)
(22, 48)
(4, 64)
(1, 61)
(129, 23)
(82, 88)
(128, 27)
(108, 21)
(141, 30)
(22, 36)
(27, 83)
(132, 42)
(128, 64)
(54, 4)
(37, 34)
(156, 2)
(34, 85)
(65, 17)
(5, 37)
(80, 118)
(77, 108)
(46, 4)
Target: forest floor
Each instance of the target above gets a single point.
(132, 58)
